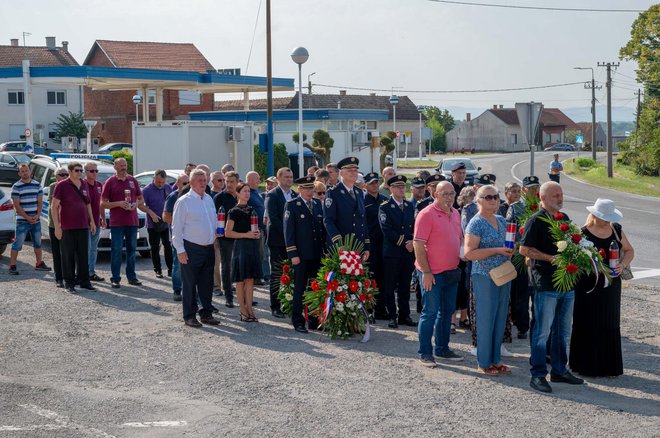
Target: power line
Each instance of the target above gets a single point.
(254, 33)
(494, 90)
(540, 8)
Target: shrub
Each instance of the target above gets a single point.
(585, 162)
(128, 156)
(280, 155)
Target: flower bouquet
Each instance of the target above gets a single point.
(576, 256)
(531, 206)
(286, 288)
(342, 295)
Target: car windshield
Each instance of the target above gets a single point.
(22, 158)
(446, 165)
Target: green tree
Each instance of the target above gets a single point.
(321, 144)
(642, 148)
(280, 156)
(443, 116)
(70, 125)
(386, 145)
(128, 156)
(439, 139)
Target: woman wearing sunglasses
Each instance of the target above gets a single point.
(484, 246)
(319, 191)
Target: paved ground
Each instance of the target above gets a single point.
(121, 363)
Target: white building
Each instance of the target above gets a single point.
(48, 101)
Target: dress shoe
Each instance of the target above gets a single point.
(209, 320)
(192, 322)
(169, 272)
(229, 303)
(214, 309)
(159, 274)
(567, 377)
(393, 324)
(114, 284)
(259, 282)
(135, 282)
(408, 322)
(522, 335)
(254, 304)
(177, 296)
(96, 278)
(277, 313)
(540, 384)
(301, 329)
(218, 292)
(87, 286)
(71, 289)
(59, 283)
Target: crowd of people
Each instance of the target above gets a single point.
(220, 235)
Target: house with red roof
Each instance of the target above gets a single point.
(498, 130)
(49, 101)
(115, 111)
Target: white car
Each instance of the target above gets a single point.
(7, 218)
(145, 178)
(43, 170)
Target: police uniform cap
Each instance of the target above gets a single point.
(305, 182)
(458, 166)
(530, 181)
(371, 177)
(435, 178)
(348, 163)
(271, 179)
(397, 180)
(417, 182)
(486, 179)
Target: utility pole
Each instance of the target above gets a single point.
(639, 108)
(269, 95)
(593, 115)
(608, 85)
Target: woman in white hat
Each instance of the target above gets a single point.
(596, 338)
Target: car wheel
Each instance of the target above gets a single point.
(146, 253)
(3, 247)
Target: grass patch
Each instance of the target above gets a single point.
(416, 164)
(624, 178)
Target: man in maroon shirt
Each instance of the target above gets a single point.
(72, 217)
(121, 194)
(95, 188)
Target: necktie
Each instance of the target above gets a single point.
(352, 193)
(309, 205)
(401, 206)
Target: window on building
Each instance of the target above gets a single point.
(189, 97)
(16, 98)
(514, 138)
(56, 97)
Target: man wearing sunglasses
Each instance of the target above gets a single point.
(98, 214)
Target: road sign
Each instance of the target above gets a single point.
(579, 139)
(28, 132)
(529, 115)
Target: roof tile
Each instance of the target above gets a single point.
(12, 56)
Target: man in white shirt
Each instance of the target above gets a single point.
(193, 234)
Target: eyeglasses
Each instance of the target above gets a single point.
(490, 197)
(92, 171)
(219, 180)
(447, 194)
(77, 170)
(320, 193)
(63, 175)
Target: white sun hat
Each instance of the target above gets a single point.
(604, 209)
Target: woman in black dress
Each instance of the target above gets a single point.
(596, 338)
(245, 259)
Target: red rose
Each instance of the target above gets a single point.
(602, 252)
(571, 268)
(315, 285)
(559, 216)
(363, 297)
(534, 207)
(538, 196)
(341, 297)
(564, 227)
(522, 230)
(576, 238)
(333, 285)
(285, 279)
(353, 285)
(343, 270)
(370, 296)
(361, 271)
(286, 268)
(367, 283)
(373, 284)
(323, 306)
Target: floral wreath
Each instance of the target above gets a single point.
(285, 294)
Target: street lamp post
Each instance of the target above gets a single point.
(394, 100)
(420, 108)
(137, 100)
(300, 56)
(593, 110)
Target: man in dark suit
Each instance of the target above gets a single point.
(397, 220)
(343, 209)
(276, 200)
(304, 234)
(372, 201)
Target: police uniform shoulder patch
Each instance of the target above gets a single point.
(298, 203)
(392, 205)
(382, 216)
(328, 202)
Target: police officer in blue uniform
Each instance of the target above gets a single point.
(458, 175)
(397, 220)
(343, 209)
(372, 201)
(304, 234)
(431, 182)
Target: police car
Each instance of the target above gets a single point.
(43, 170)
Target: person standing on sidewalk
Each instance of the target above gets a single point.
(181, 183)
(437, 243)
(154, 196)
(227, 200)
(27, 196)
(95, 189)
(73, 220)
(193, 234)
(555, 168)
(552, 309)
(121, 194)
(60, 175)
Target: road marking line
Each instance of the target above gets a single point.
(63, 421)
(638, 275)
(156, 424)
(31, 428)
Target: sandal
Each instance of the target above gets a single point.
(244, 318)
(490, 371)
(502, 369)
(252, 318)
(452, 331)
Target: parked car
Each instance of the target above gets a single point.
(9, 162)
(446, 164)
(43, 170)
(19, 146)
(145, 178)
(7, 218)
(560, 147)
(112, 147)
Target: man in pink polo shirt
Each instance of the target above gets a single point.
(437, 243)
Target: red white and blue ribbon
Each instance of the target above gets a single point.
(594, 265)
(329, 276)
(367, 329)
